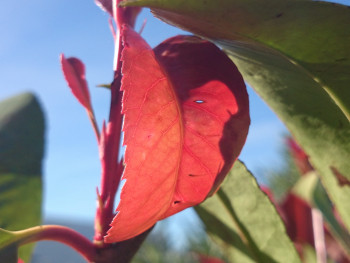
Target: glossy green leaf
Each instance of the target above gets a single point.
(243, 217)
(296, 55)
(21, 153)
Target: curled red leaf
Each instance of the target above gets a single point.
(215, 115)
(186, 118)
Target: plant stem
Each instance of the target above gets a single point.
(92, 119)
(112, 165)
(320, 245)
(63, 235)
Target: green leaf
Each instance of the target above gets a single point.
(243, 217)
(297, 29)
(21, 153)
(296, 55)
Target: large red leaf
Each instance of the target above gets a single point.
(186, 119)
(215, 115)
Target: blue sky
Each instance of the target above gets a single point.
(33, 34)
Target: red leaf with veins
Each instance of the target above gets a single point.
(215, 115)
(186, 119)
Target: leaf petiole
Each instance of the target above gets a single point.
(57, 233)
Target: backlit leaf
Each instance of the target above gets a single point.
(296, 55)
(186, 119)
(245, 221)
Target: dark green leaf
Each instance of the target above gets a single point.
(243, 217)
(21, 153)
(296, 55)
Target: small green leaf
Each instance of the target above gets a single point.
(296, 55)
(243, 217)
(21, 153)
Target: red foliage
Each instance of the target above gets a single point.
(301, 159)
(298, 217)
(186, 118)
(208, 259)
(74, 73)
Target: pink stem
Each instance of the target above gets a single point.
(320, 245)
(94, 124)
(111, 168)
(66, 236)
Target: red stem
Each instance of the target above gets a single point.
(66, 236)
(92, 119)
(111, 168)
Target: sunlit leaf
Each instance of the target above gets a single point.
(243, 218)
(21, 153)
(186, 119)
(296, 55)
